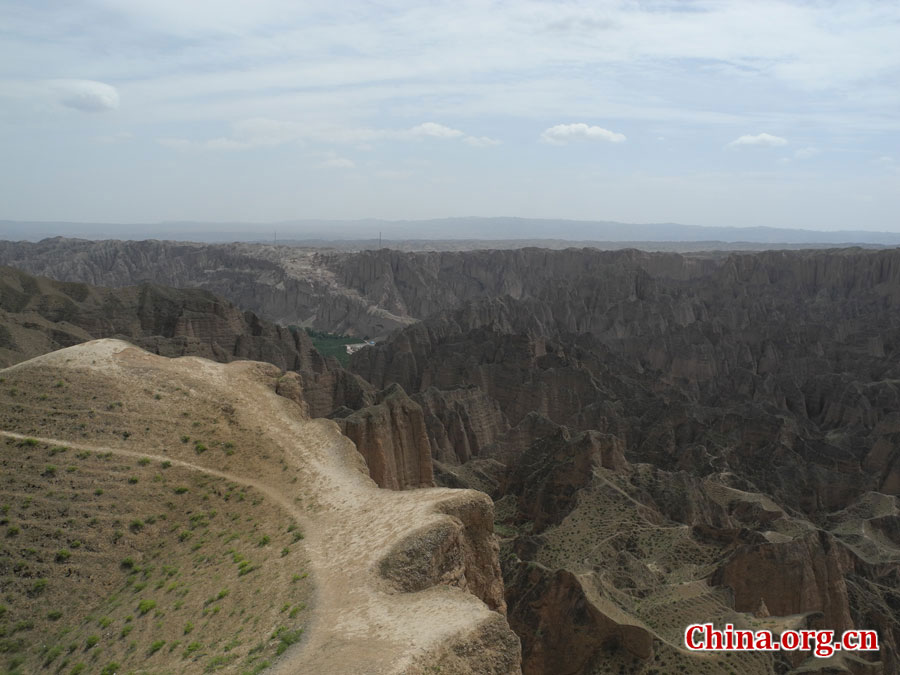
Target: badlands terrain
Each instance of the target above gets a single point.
(663, 439)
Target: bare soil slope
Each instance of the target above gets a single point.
(191, 483)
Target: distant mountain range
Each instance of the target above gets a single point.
(475, 228)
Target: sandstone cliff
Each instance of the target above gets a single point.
(390, 435)
(40, 314)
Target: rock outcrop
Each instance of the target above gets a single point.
(390, 434)
(563, 631)
(41, 314)
(801, 576)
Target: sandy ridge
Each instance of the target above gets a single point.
(361, 623)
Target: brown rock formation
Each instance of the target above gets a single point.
(41, 315)
(391, 435)
(461, 423)
(562, 630)
(460, 552)
(801, 576)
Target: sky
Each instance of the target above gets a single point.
(726, 113)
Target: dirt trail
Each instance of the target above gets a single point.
(360, 623)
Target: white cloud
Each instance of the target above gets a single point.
(481, 141)
(86, 95)
(262, 132)
(806, 153)
(563, 133)
(435, 130)
(337, 162)
(761, 140)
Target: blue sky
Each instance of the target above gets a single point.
(784, 114)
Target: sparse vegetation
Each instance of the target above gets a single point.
(124, 513)
(331, 344)
(192, 648)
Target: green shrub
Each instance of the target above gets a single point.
(191, 648)
(145, 606)
(52, 655)
(286, 638)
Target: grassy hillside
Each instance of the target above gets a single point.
(119, 560)
(130, 561)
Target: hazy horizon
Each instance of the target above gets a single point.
(532, 231)
(777, 113)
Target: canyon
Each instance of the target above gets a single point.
(666, 438)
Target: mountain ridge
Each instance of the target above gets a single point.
(473, 227)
